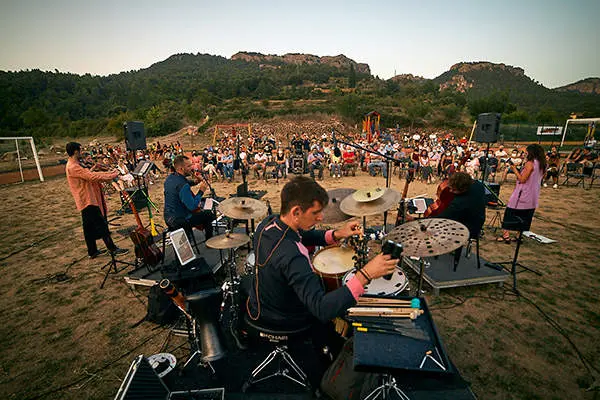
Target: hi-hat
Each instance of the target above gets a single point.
(243, 208)
(368, 194)
(385, 202)
(228, 240)
(332, 213)
(430, 237)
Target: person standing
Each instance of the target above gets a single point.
(524, 199)
(85, 186)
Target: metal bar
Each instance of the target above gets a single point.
(19, 160)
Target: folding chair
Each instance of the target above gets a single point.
(595, 175)
(574, 171)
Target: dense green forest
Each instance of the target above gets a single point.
(185, 88)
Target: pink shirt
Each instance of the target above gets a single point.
(526, 195)
(85, 185)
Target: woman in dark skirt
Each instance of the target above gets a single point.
(524, 199)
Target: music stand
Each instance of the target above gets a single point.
(516, 224)
(112, 267)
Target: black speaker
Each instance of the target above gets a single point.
(488, 127)
(135, 136)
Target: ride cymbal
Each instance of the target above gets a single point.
(430, 237)
(227, 241)
(385, 202)
(243, 208)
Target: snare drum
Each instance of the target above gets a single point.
(331, 263)
(382, 286)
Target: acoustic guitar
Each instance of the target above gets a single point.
(401, 217)
(142, 238)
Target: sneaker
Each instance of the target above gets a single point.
(555, 186)
(545, 185)
(97, 253)
(339, 176)
(118, 251)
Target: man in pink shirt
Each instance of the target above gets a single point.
(86, 190)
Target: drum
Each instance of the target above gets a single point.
(331, 263)
(382, 286)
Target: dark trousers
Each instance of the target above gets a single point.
(204, 218)
(95, 227)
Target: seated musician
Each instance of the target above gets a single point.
(287, 293)
(468, 205)
(182, 206)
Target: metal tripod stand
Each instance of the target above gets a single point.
(386, 389)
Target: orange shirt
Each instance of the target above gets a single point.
(85, 185)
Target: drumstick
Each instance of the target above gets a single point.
(383, 309)
(412, 315)
(382, 300)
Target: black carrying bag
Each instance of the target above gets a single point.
(161, 309)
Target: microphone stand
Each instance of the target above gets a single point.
(387, 159)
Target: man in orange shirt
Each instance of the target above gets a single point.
(86, 190)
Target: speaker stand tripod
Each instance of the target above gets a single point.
(514, 264)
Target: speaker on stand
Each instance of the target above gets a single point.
(135, 136)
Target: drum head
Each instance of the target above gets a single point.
(334, 260)
(382, 286)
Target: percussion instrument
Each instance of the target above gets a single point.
(204, 307)
(385, 202)
(430, 237)
(229, 240)
(332, 213)
(382, 286)
(365, 195)
(331, 263)
(243, 208)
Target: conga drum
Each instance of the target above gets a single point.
(331, 264)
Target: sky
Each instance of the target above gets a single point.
(556, 42)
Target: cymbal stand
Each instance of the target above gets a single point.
(387, 387)
(361, 247)
(230, 294)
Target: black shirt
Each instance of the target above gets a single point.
(468, 208)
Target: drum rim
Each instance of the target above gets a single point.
(331, 274)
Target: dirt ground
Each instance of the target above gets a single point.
(65, 338)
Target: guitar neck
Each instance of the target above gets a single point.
(133, 209)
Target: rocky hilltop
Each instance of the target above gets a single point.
(589, 85)
(407, 78)
(268, 60)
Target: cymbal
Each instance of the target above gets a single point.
(332, 213)
(388, 200)
(430, 237)
(243, 208)
(227, 241)
(368, 194)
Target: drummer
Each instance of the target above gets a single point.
(286, 292)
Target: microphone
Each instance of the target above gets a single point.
(336, 149)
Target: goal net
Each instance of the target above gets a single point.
(19, 152)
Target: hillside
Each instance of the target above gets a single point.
(185, 88)
(587, 86)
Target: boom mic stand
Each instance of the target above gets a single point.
(389, 160)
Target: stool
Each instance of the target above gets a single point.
(279, 338)
(189, 231)
(458, 252)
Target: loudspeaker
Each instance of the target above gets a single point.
(488, 127)
(490, 199)
(135, 136)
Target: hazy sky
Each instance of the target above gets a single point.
(555, 41)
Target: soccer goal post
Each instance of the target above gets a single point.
(29, 139)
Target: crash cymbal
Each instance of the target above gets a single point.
(430, 236)
(243, 208)
(388, 200)
(227, 241)
(369, 194)
(332, 213)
